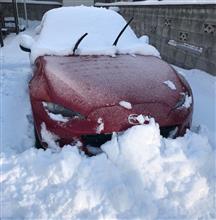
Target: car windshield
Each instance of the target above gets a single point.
(61, 28)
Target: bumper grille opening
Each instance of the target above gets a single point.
(96, 140)
(99, 139)
(169, 131)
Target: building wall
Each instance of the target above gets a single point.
(194, 25)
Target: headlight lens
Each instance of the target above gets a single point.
(57, 109)
(184, 101)
(181, 101)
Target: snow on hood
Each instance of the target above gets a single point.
(61, 28)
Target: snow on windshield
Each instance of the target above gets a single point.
(61, 28)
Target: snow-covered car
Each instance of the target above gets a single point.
(93, 76)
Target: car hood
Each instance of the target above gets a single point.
(91, 82)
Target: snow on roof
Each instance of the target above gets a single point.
(156, 2)
(62, 27)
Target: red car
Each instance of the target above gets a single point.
(88, 97)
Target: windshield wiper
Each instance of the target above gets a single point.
(78, 42)
(122, 31)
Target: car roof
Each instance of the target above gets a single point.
(61, 28)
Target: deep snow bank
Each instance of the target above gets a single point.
(138, 175)
(204, 91)
(61, 28)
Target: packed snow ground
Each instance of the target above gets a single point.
(139, 174)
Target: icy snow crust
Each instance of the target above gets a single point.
(138, 175)
(61, 28)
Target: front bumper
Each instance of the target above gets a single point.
(114, 119)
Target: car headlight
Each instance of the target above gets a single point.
(60, 110)
(181, 101)
(184, 101)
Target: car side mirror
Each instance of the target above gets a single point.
(26, 43)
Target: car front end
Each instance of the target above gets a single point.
(84, 106)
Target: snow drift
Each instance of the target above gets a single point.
(138, 175)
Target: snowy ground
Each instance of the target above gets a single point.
(139, 174)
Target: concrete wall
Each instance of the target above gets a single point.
(192, 27)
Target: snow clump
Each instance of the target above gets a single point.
(100, 127)
(125, 104)
(144, 39)
(170, 84)
(188, 101)
(49, 138)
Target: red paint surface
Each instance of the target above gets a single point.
(94, 86)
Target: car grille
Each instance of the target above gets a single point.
(96, 140)
(167, 131)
